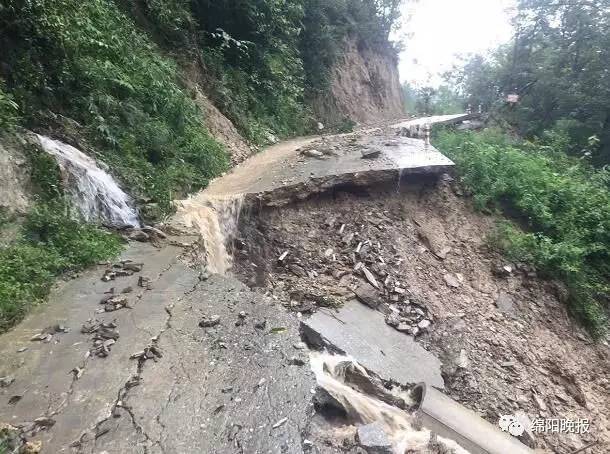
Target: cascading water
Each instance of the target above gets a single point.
(217, 219)
(361, 408)
(93, 191)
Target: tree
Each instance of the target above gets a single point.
(558, 65)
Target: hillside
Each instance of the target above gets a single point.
(164, 95)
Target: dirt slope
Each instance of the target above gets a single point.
(505, 339)
(364, 87)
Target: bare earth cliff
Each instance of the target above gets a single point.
(364, 87)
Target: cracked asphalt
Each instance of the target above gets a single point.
(224, 389)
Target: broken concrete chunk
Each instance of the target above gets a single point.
(280, 423)
(7, 381)
(393, 320)
(424, 324)
(135, 267)
(451, 280)
(154, 232)
(296, 361)
(300, 346)
(502, 270)
(370, 277)
(139, 235)
(298, 270)
(373, 439)
(208, 322)
(506, 304)
(368, 295)
(370, 153)
(313, 153)
(42, 337)
(144, 282)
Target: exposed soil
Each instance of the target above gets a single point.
(505, 339)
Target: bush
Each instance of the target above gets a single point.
(51, 244)
(8, 109)
(88, 61)
(563, 204)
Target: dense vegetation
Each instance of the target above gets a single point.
(88, 62)
(562, 205)
(427, 100)
(105, 64)
(265, 59)
(50, 244)
(558, 66)
(544, 163)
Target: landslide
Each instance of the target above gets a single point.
(503, 334)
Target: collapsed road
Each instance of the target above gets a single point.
(292, 307)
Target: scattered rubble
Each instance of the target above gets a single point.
(139, 235)
(104, 336)
(113, 302)
(150, 352)
(46, 335)
(209, 321)
(123, 268)
(7, 381)
(439, 283)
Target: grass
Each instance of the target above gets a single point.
(89, 62)
(50, 245)
(562, 204)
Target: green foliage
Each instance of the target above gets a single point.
(563, 204)
(88, 61)
(51, 244)
(326, 24)
(264, 58)
(558, 65)
(44, 175)
(251, 51)
(8, 109)
(432, 101)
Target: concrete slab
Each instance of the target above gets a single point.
(43, 374)
(289, 171)
(361, 332)
(224, 389)
(433, 120)
(231, 388)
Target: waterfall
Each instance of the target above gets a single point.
(398, 424)
(217, 219)
(94, 193)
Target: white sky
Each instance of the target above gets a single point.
(443, 29)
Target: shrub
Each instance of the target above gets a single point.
(8, 109)
(51, 244)
(88, 61)
(563, 204)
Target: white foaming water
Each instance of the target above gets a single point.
(93, 191)
(217, 219)
(397, 423)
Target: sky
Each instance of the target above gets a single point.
(443, 29)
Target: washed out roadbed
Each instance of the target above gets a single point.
(417, 252)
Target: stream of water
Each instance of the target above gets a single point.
(363, 409)
(92, 190)
(216, 218)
